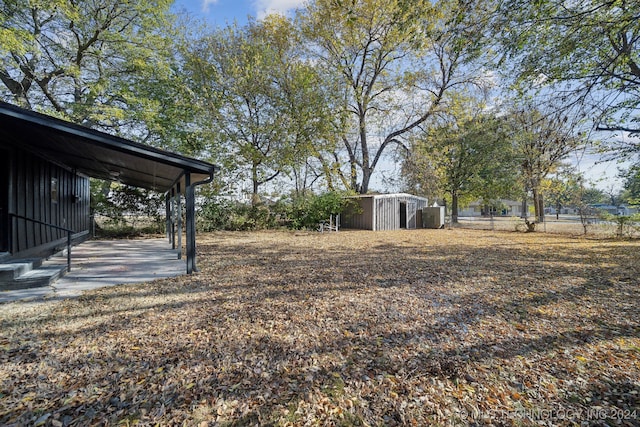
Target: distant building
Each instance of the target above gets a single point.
(615, 210)
(502, 207)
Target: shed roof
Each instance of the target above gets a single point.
(388, 196)
(97, 154)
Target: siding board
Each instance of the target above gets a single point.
(28, 203)
(21, 204)
(30, 196)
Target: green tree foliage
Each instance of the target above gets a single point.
(631, 192)
(264, 102)
(469, 157)
(160, 99)
(586, 52)
(419, 172)
(82, 59)
(393, 62)
(592, 195)
(126, 209)
(562, 190)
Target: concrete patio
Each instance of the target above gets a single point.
(99, 263)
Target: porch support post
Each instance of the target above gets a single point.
(191, 224)
(179, 213)
(167, 213)
(173, 217)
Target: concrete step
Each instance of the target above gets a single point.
(40, 277)
(15, 268)
(25, 275)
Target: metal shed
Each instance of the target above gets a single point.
(384, 212)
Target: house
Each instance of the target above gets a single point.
(384, 212)
(45, 165)
(614, 209)
(500, 207)
(567, 210)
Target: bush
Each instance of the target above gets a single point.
(247, 217)
(626, 225)
(124, 231)
(309, 210)
(303, 212)
(214, 215)
(124, 211)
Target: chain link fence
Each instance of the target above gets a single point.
(565, 224)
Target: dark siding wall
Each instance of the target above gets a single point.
(420, 203)
(359, 217)
(4, 200)
(32, 196)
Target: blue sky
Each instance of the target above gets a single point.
(221, 12)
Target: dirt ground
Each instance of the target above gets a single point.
(422, 327)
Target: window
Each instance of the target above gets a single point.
(54, 190)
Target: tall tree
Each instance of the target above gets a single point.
(264, 101)
(586, 52)
(469, 156)
(395, 61)
(542, 140)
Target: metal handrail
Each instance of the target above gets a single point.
(57, 227)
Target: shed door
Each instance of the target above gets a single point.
(4, 201)
(411, 215)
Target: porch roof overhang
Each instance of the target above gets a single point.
(97, 154)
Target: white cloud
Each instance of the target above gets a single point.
(266, 7)
(206, 4)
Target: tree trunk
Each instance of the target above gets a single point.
(364, 147)
(537, 203)
(255, 197)
(366, 177)
(454, 208)
(540, 207)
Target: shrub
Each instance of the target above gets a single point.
(309, 210)
(214, 215)
(625, 224)
(247, 217)
(126, 211)
(295, 213)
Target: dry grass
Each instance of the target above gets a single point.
(425, 327)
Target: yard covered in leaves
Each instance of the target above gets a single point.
(424, 327)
